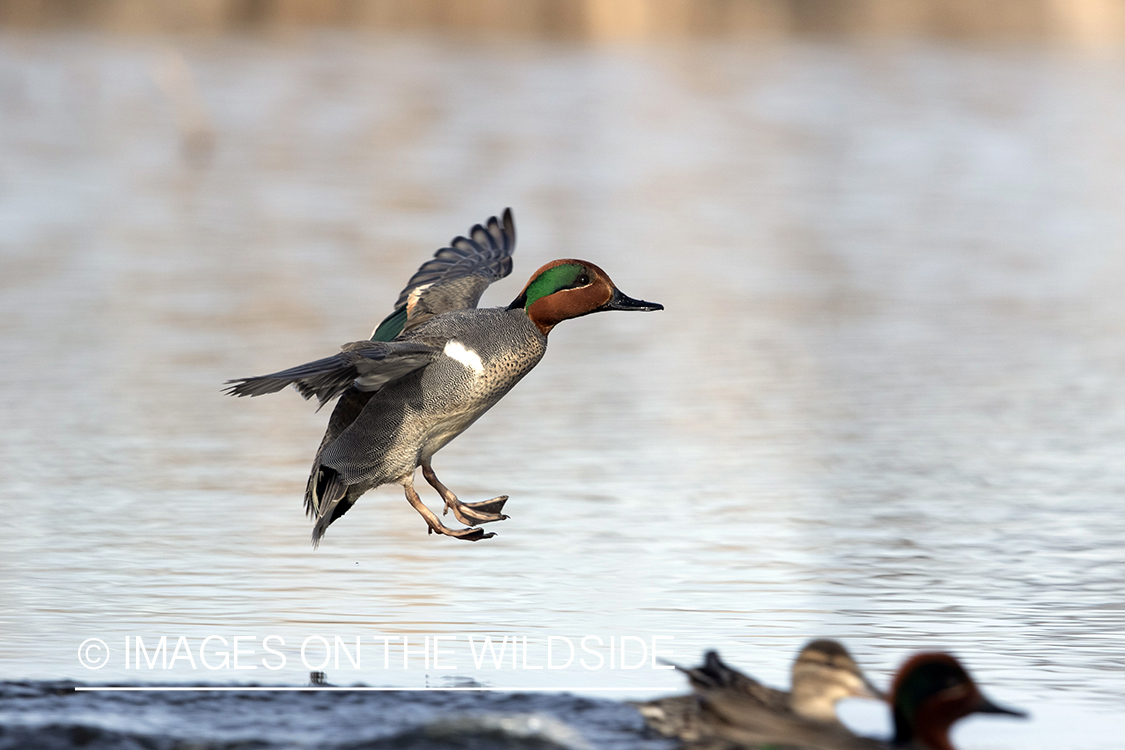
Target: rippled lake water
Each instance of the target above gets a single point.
(884, 402)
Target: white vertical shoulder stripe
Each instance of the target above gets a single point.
(458, 351)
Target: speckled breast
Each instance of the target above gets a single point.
(486, 352)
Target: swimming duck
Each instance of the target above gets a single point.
(431, 369)
(823, 674)
(930, 692)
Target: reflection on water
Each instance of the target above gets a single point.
(883, 403)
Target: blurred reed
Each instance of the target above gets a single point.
(1072, 21)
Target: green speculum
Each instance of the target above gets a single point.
(391, 326)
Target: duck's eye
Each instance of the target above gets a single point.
(582, 280)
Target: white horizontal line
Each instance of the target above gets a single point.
(334, 689)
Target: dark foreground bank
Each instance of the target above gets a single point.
(53, 716)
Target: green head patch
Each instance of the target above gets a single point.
(566, 276)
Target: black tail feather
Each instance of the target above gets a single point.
(325, 378)
(326, 499)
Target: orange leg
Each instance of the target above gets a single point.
(469, 514)
(435, 524)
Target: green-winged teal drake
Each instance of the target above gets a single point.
(823, 673)
(431, 369)
(930, 692)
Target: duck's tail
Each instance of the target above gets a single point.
(326, 499)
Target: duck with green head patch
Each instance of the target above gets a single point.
(931, 692)
(431, 369)
(731, 710)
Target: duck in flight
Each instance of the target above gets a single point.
(434, 366)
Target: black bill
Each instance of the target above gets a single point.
(622, 302)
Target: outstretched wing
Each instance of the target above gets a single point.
(455, 278)
(367, 365)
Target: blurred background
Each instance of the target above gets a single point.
(1080, 21)
(883, 403)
